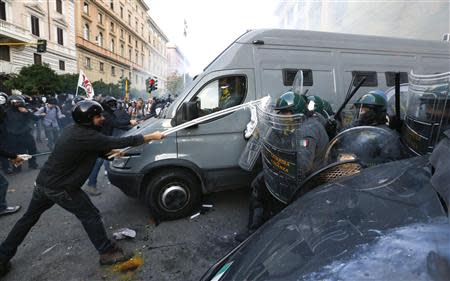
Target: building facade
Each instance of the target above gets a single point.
(115, 39)
(178, 65)
(406, 19)
(28, 21)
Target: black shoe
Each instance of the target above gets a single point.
(4, 268)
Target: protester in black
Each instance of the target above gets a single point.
(60, 180)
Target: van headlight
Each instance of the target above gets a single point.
(120, 162)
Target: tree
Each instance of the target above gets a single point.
(69, 84)
(101, 88)
(175, 84)
(35, 79)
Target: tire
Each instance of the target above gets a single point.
(173, 194)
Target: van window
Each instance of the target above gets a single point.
(390, 78)
(371, 78)
(222, 93)
(289, 75)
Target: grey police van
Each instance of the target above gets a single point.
(172, 174)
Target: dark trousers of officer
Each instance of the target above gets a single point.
(263, 205)
(3, 190)
(76, 202)
(25, 143)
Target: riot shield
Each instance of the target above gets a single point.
(369, 145)
(427, 113)
(280, 150)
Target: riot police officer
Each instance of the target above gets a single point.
(60, 180)
(370, 110)
(19, 126)
(294, 142)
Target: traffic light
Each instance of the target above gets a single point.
(155, 84)
(41, 46)
(150, 84)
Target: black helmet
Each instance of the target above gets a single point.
(110, 103)
(85, 110)
(16, 101)
(77, 99)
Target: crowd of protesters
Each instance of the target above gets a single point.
(30, 122)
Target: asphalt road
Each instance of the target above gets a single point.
(58, 248)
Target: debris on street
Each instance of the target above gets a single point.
(124, 233)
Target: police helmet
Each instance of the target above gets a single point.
(291, 102)
(371, 109)
(16, 101)
(110, 103)
(85, 110)
(316, 104)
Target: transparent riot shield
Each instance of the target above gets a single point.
(369, 145)
(427, 112)
(280, 150)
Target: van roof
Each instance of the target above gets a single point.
(318, 39)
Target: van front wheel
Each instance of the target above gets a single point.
(173, 194)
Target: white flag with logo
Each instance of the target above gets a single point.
(83, 82)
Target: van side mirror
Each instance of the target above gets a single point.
(187, 112)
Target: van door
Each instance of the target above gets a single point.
(216, 145)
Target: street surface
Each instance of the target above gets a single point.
(58, 248)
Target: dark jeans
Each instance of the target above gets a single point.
(94, 173)
(3, 190)
(263, 205)
(76, 202)
(52, 134)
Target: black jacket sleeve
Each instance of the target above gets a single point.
(101, 143)
(6, 154)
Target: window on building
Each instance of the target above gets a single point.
(142, 30)
(137, 57)
(100, 18)
(111, 4)
(86, 8)
(113, 71)
(87, 63)
(129, 54)
(129, 19)
(102, 66)
(121, 12)
(112, 26)
(60, 36)
(2, 10)
(136, 44)
(142, 59)
(136, 25)
(62, 65)
(129, 39)
(37, 59)
(86, 31)
(121, 33)
(122, 73)
(122, 50)
(4, 53)
(100, 39)
(35, 25)
(112, 45)
(59, 6)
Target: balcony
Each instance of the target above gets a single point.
(14, 32)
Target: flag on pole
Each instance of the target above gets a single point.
(84, 83)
